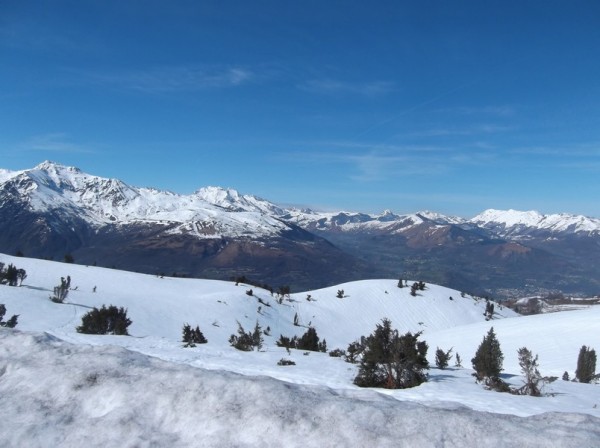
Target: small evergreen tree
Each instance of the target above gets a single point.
(458, 362)
(488, 358)
(340, 294)
(529, 367)
(586, 365)
(565, 376)
(442, 358)
(257, 339)
(10, 323)
(392, 361)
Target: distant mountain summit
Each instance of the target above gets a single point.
(516, 223)
(53, 210)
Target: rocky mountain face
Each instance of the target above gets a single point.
(53, 210)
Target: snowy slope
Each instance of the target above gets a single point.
(160, 306)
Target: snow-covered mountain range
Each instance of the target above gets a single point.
(226, 212)
(52, 210)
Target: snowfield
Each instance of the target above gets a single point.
(62, 388)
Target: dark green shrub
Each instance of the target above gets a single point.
(111, 320)
(285, 362)
(247, 341)
(392, 361)
(337, 353)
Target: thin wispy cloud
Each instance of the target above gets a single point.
(372, 163)
(464, 131)
(54, 142)
(335, 87)
(589, 150)
(175, 79)
(499, 111)
(31, 35)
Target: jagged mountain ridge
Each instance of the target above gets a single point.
(216, 232)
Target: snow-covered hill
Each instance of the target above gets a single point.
(116, 388)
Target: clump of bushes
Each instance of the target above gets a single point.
(309, 341)
(337, 353)
(192, 336)
(247, 341)
(11, 275)
(111, 320)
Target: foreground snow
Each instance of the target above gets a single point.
(58, 394)
(57, 385)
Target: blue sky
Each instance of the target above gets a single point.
(453, 107)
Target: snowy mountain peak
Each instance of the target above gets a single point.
(231, 200)
(512, 221)
(510, 217)
(54, 167)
